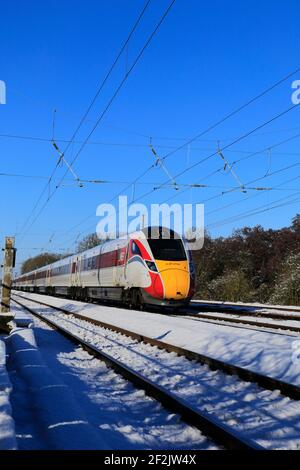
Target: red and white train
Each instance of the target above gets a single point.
(152, 266)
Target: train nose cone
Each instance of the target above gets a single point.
(176, 280)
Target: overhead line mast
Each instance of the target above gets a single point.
(6, 317)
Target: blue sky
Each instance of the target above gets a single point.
(208, 58)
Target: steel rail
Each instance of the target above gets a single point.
(264, 381)
(211, 426)
(244, 321)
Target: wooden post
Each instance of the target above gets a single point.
(6, 316)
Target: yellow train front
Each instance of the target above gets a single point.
(170, 276)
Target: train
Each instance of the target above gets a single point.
(152, 266)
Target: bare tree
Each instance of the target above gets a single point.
(40, 260)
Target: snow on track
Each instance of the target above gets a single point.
(262, 415)
(226, 317)
(7, 428)
(256, 306)
(264, 352)
(65, 399)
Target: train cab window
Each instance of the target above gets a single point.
(135, 249)
(167, 249)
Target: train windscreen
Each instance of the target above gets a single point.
(167, 249)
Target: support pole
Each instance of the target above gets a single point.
(6, 317)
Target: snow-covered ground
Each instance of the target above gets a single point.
(65, 399)
(7, 428)
(262, 415)
(266, 352)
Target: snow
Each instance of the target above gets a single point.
(265, 352)
(257, 305)
(263, 319)
(7, 430)
(266, 416)
(64, 398)
(54, 406)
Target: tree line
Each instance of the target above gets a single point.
(253, 264)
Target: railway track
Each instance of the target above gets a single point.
(211, 426)
(103, 331)
(225, 318)
(278, 313)
(270, 383)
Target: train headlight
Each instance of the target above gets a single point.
(151, 265)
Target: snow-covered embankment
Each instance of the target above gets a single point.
(7, 428)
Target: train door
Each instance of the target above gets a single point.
(114, 267)
(75, 271)
(127, 256)
(48, 277)
(119, 274)
(99, 266)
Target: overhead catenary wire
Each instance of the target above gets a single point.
(258, 190)
(257, 193)
(218, 170)
(252, 131)
(109, 73)
(151, 183)
(239, 139)
(258, 210)
(251, 155)
(123, 81)
(232, 113)
(223, 193)
(263, 93)
(188, 142)
(231, 204)
(139, 18)
(102, 181)
(213, 126)
(129, 144)
(276, 187)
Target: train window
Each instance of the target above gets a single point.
(135, 249)
(167, 249)
(121, 255)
